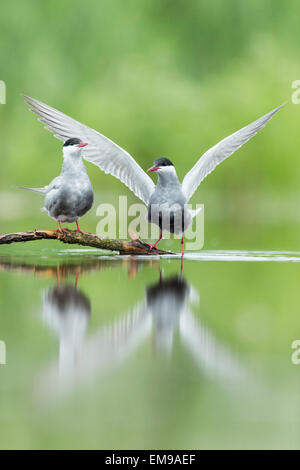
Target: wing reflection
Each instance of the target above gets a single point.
(211, 355)
(166, 311)
(169, 303)
(80, 361)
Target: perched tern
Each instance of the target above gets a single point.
(167, 200)
(70, 195)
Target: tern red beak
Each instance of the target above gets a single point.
(153, 168)
(83, 144)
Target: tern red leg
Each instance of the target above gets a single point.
(60, 229)
(182, 246)
(80, 231)
(155, 244)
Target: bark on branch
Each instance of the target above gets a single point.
(131, 247)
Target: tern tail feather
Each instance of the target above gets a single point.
(34, 190)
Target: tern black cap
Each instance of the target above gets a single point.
(73, 141)
(162, 162)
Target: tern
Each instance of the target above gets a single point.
(167, 201)
(70, 195)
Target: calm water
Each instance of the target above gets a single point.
(111, 352)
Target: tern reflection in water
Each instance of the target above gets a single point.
(165, 312)
(67, 311)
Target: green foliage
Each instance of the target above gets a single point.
(160, 78)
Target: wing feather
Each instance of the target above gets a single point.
(215, 155)
(101, 151)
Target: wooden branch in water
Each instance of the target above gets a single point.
(131, 247)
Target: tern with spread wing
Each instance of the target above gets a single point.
(167, 201)
(70, 195)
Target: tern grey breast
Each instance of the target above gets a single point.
(169, 197)
(70, 195)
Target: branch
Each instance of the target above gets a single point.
(131, 247)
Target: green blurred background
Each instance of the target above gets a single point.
(160, 78)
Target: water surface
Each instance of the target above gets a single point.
(123, 352)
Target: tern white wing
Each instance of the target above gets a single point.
(101, 151)
(220, 152)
